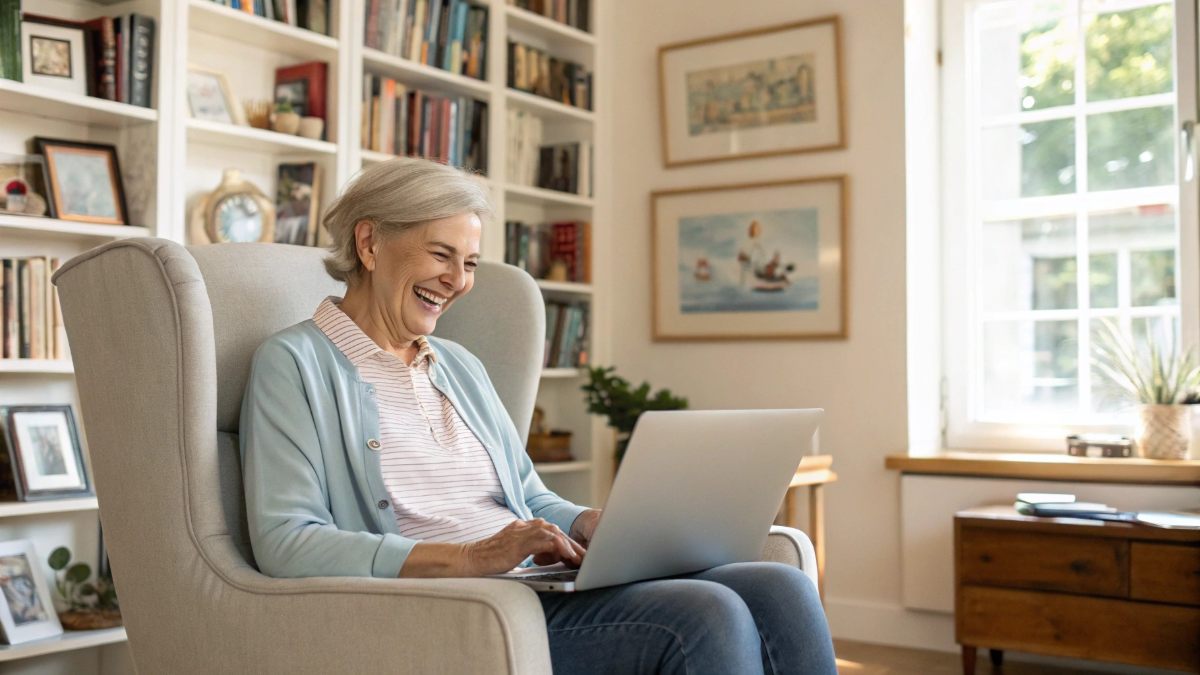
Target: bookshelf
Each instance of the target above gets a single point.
(169, 159)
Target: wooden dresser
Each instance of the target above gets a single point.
(1076, 588)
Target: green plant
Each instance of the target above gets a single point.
(614, 397)
(71, 582)
(284, 106)
(1145, 371)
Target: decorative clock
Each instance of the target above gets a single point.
(237, 211)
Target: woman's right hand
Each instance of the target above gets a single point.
(520, 539)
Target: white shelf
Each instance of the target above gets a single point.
(544, 197)
(562, 467)
(48, 103)
(14, 509)
(251, 138)
(36, 366)
(558, 37)
(564, 287)
(561, 373)
(276, 36)
(423, 76)
(68, 641)
(550, 111)
(53, 226)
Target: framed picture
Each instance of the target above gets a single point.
(210, 97)
(52, 55)
(297, 203)
(23, 182)
(303, 86)
(45, 456)
(754, 261)
(85, 181)
(27, 612)
(768, 91)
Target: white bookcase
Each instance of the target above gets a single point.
(168, 160)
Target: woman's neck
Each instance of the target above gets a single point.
(363, 311)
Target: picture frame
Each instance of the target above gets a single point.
(304, 86)
(30, 170)
(211, 98)
(756, 93)
(297, 203)
(53, 55)
(85, 182)
(752, 261)
(44, 453)
(27, 611)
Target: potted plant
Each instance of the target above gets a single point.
(90, 604)
(611, 395)
(1160, 379)
(285, 120)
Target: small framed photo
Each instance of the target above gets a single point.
(297, 203)
(758, 261)
(303, 86)
(768, 91)
(211, 98)
(23, 185)
(52, 55)
(45, 455)
(27, 612)
(85, 181)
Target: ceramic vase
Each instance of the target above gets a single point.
(1164, 431)
(285, 122)
(312, 127)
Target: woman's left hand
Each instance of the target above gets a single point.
(585, 526)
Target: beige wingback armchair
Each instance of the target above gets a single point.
(162, 337)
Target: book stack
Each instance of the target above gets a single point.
(401, 120)
(533, 70)
(538, 248)
(574, 13)
(566, 335)
(307, 14)
(446, 34)
(30, 314)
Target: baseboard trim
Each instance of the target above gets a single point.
(886, 624)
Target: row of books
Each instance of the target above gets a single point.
(400, 120)
(31, 317)
(566, 167)
(574, 13)
(307, 14)
(533, 70)
(566, 335)
(446, 34)
(118, 52)
(556, 251)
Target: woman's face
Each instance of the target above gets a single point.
(421, 271)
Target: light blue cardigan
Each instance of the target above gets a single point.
(315, 498)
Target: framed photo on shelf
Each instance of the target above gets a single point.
(211, 98)
(757, 261)
(303, 85)
(52, 55)
(297, 203)
(27, 611)
(23, 185)
(768, 91)
(44, 454)
(85, 181)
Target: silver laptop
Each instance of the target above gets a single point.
(696, 489)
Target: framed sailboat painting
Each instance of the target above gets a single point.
(755, 261)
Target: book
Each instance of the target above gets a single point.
(104, 57)
(141, 59)
(10, 40)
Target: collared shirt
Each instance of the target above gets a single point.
(442, 483)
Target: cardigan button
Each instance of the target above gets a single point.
(383, 504)
(374, 445)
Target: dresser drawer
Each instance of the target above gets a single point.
(1165, 572)
(1040, 561)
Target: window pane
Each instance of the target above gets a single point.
(1131, 149)
(1152, 274)
(1030, 160)
(1144, 237)
(1030, 368)
(1023, 261)
(1102, 275)
(1026, 57)
(1129, 53)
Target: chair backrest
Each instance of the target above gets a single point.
(162, 338)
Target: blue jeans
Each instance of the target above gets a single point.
(740, 618)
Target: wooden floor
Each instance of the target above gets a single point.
(858, 658)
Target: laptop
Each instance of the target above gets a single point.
(696, 489)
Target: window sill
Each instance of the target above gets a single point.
(1039, 466)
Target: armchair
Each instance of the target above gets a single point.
(162, 338)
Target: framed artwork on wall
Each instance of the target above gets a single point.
(44, 454)
(85, 181)
(755, 93)
(756, 261)
(27, 611)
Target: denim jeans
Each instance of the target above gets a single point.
(740, 618)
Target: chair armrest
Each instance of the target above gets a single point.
(793, 547)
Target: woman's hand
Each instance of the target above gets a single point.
(585, 526)
(520, 539)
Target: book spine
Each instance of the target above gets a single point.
(23, 308)
(9, 300)
(59, 327)
(10, 40)
(141, 67)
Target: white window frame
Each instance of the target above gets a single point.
(960, 315)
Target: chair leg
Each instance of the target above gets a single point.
(968, 660)
(997, 656)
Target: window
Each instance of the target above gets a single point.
(1067, 203)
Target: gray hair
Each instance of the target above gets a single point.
(395, 196)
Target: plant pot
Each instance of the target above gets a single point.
(90, 620)
(285, 122)
(1164, 431)
(312, 127)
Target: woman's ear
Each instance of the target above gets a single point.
(365, 243)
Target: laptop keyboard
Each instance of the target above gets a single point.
(553, 576)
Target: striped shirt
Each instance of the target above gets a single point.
(442, 483)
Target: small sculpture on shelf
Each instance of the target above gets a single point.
(90, 604)
(258, 113)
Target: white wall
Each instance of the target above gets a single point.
(859, 381)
